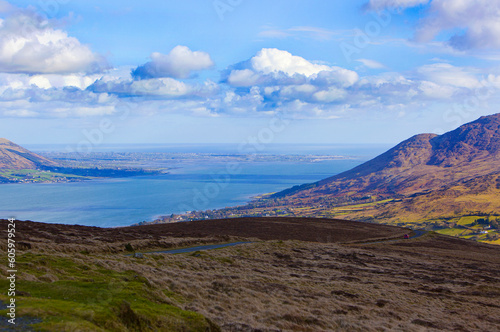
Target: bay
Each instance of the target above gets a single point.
(125, 201)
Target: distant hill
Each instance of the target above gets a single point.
(15, 157)
(425, 162)
(18, 165)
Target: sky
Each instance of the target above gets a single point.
(86, 73)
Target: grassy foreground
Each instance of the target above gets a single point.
(81, 293)
(75, 278)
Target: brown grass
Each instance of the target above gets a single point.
(74, 238)
(431, 283)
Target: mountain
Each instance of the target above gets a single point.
(449, 183)
(422, 163)
(15, 157)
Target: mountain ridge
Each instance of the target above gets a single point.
(422, 162)
(15, 157)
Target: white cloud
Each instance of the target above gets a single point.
(301, 92)
(336, 76)
(181, 62)
(46, 81)
(446, 74)
(286, 78)
(40, 81)
(371, 63)
(330, 95)
(244, 77)
(289, 82)
(271, 81)
(244, 104)
(271, 66)
(164, 87)
(272, 60)
(436, 91)
(54, 103)
(29, 44)
(160, 87)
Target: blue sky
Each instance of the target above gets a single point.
(85, 73)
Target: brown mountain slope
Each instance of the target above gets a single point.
(477, 196)
(13, 156)
(422, 163)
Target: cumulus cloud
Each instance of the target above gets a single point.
(271, 66)
(271, 81)
(164, 87)
(286, 79)
(330, 95)
(243, 104)
(30, 44)
(288, 82)
(66, 102)
(337, 77)
(272, 60)
(46, 81)
(181, 62)
(244, 77)
(161, 87)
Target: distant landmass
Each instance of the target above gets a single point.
(449, 183)
(19, 165)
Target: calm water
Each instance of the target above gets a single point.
(120, 202)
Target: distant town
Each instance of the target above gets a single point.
(165, 161)
(74, 167)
